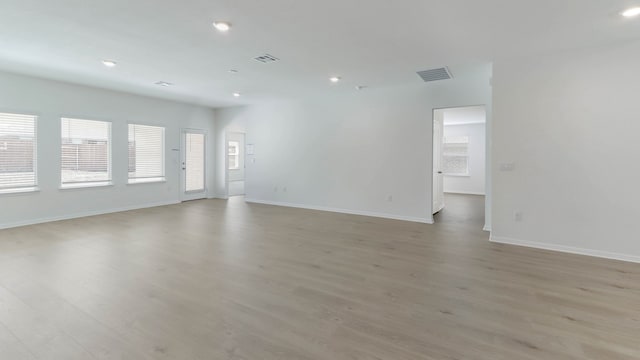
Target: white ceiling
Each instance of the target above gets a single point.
(374, 42)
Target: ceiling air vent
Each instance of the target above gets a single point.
(266, 58)
(442, 73)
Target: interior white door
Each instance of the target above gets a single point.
(194, 167)
(438, 177)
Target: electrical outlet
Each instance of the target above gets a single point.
(284, 189)
(507, 166)
(518, 216)
(275, 189)
(390, 198)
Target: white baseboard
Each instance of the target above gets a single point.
(487, 228)
(565, 249)
(223, 197)
(85, 214)
(464, 193)
(342, 211)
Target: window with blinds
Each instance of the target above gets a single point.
(18, 155)
(455, 155)
(146, 153)
(234, 155)
(85, 153)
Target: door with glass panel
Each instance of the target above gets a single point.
(193, 164)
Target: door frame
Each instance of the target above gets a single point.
(433, 165)
(488, 160)
(192, 195)
(226, 158)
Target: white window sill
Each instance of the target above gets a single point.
(19, 191)
(85, 185)
(146, 181)
(458, 175)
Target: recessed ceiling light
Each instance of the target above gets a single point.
(163, 83)
(109, 63)
(631, 12)
(236, 94)
(222, 26)
(361, 87)
(335, 79)
(233, 71)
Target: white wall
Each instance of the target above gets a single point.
(475, 181)
(570, 124)
(350, 153)
(51, 100)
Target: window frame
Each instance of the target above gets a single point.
(467, 156)
(235, 154)
(155, 179)
(35, 187)
(88, 184)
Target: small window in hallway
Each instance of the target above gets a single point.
(456, 155)
(234, 161)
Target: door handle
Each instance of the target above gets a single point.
(439, 172)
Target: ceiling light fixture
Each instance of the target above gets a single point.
(361, 87)
(109, 63)
(236, 94)
(222, 26)
(163, 83)
(233, 71)
(631, 12)
(335, 79)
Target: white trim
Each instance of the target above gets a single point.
(342, 211)
(85, 185)
(18, 191)
(214, 196)
(85, 214)
(487, 228)
(565, 249)
(464, 193)
(466, 122)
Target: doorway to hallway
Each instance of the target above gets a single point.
(459, 160)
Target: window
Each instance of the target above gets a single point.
(85, 153)
(146, 153)
(18, 144)
(234, 154)
(455, 155)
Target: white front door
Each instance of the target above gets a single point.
(438, 177)
(193, 161)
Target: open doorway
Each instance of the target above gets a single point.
(459, 165)
(235, 163)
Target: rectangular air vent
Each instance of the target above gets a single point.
(267, 58)
(442, 73)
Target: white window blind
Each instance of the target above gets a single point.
(194, 162)
(146, 153)
(456, 155)
(86, 152)
(18, 144)
(234, 155)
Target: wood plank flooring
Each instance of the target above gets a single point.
(213, 279)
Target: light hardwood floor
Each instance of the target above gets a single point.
(227, 280)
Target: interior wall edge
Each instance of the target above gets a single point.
(342, 211)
